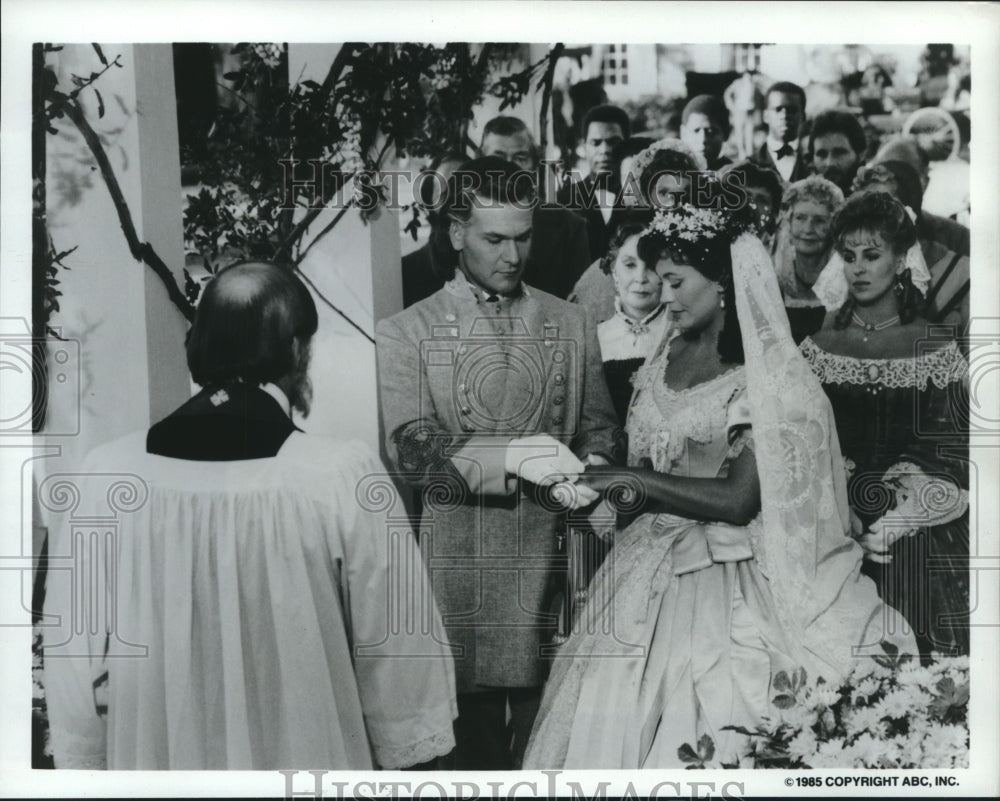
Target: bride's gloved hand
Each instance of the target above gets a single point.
(876, 546)
(883, 534)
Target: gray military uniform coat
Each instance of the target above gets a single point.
(459, 377)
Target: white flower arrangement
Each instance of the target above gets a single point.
(890, 712)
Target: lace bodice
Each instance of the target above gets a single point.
(684, 432)
(940, 367)
(890, 409)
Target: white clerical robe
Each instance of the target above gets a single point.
(255, 614)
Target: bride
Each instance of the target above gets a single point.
(739, 564)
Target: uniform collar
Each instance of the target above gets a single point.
(461, 286)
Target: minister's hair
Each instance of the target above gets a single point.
(249, 316)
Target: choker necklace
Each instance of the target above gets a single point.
(869, 328)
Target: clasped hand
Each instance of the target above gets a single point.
(543, 460)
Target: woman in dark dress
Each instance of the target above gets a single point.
(901, 405)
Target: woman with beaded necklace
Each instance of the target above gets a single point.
(898, 396)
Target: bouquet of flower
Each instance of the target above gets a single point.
(890, 712)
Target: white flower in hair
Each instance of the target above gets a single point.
(688, 223)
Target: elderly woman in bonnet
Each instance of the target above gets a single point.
(898, 396)
(665, 172)
(803, 247)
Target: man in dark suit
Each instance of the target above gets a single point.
(559, 252)
(784, 112)
(594, 196)
(492, 396)
(837, 147)
(419, 279)
(705, 129)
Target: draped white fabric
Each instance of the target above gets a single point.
(829, 612)
(262, 614)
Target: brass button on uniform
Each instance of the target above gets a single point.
(559, 378)
(557, 420)
(558, 400)
(450, 318)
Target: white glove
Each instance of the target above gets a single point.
(574, 496)
(603, 518)
(923, 500)
(542, 459)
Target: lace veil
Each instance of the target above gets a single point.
(830, 612)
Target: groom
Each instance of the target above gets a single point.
(490, 392)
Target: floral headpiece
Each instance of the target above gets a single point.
(645, 157)
(687, 223)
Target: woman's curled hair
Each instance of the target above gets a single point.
(627, 224)
(878, 212)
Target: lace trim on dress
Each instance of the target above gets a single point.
(78, 752)
(941, 367)
(696, 413)
(397, 757)
(742, 439)
(801, 303)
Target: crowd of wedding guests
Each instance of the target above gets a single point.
(762, 374)
(862, 272)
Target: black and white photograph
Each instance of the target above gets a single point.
(500, 400)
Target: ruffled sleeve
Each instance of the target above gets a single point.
(738, 430)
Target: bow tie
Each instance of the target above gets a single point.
(784, 150)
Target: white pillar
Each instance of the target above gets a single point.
(356, 267)
(126, 365)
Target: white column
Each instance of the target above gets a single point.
(126, 365)
(356, 267)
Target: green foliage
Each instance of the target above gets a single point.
(414, 99)
(697, 760)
